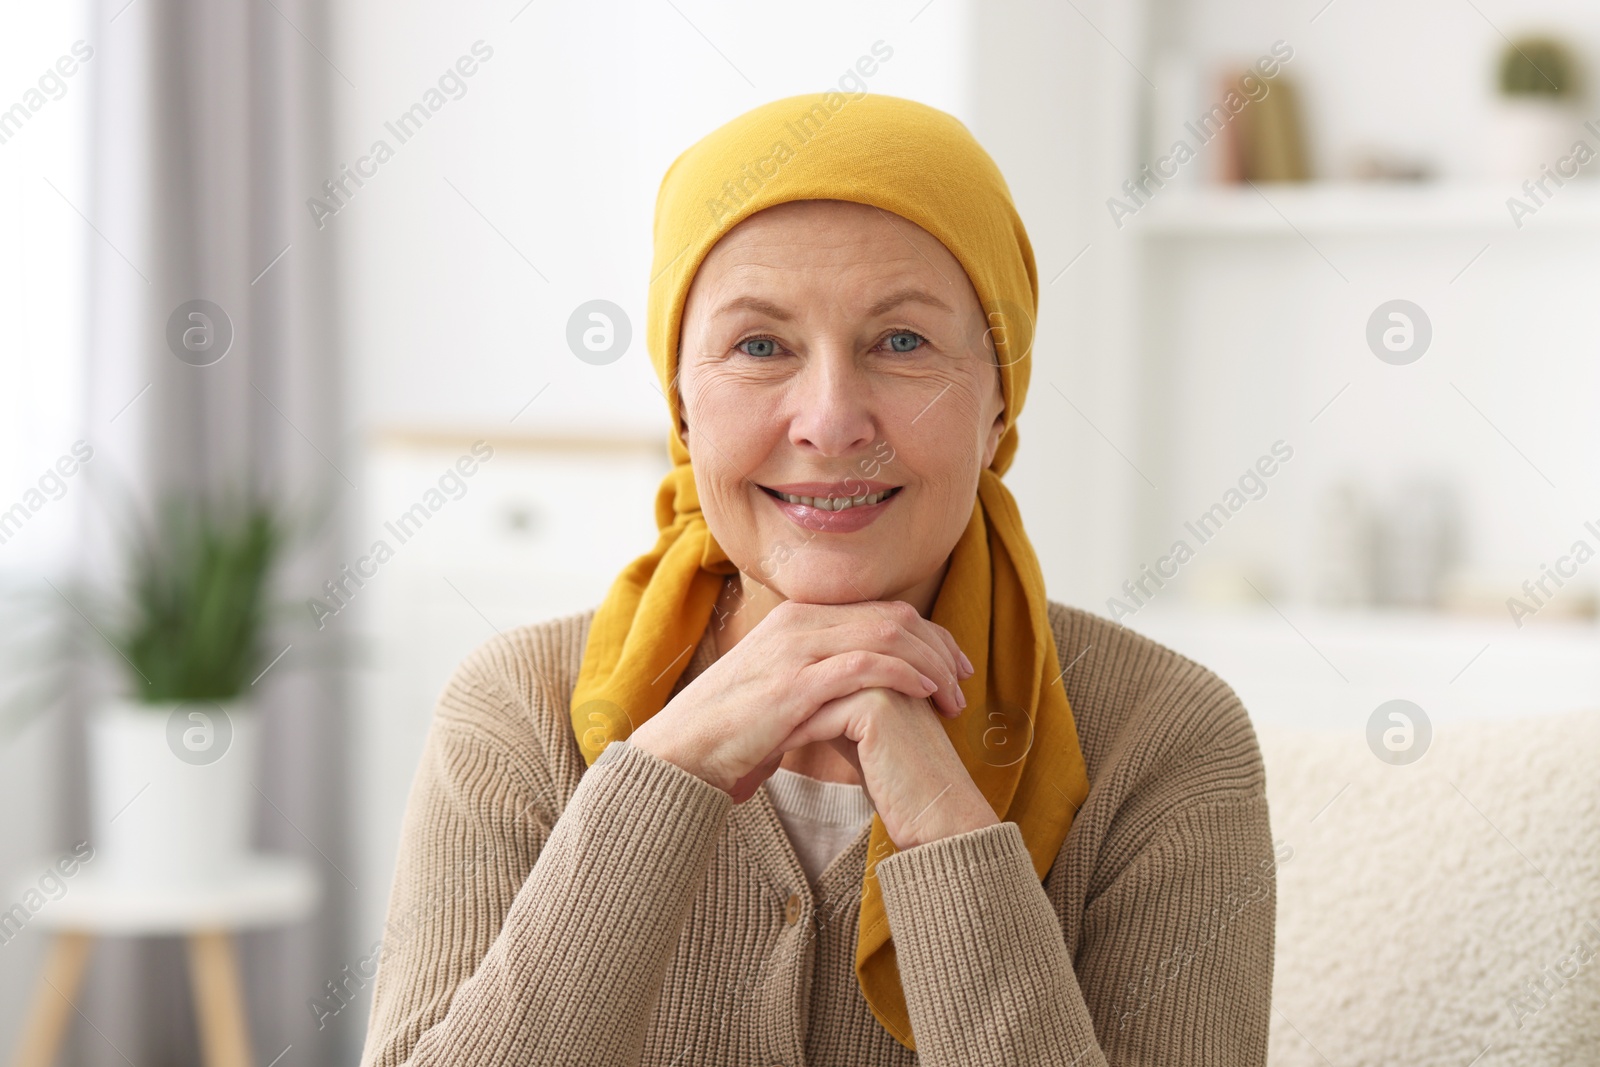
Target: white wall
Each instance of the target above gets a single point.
(1055, 95)
(560, 142)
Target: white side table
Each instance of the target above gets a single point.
(268, 890)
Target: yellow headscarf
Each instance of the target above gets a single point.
(1016, 737)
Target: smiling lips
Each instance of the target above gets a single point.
(829, 508)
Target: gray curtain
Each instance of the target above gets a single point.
(210, 129)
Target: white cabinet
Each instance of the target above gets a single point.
(539, 529)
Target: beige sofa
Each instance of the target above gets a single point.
(1443, 913)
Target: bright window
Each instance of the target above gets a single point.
(46, 92)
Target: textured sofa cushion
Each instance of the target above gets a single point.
(1423, 905)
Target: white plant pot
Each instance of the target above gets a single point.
(171, 789)
(1525, 135)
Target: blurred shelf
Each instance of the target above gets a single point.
(433, 438)
(1382, 626)
(1316, 666)
(1282, 209)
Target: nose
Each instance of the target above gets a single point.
(831, 409)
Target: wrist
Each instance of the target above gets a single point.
(661, 747)
(952, 822)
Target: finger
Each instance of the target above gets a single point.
(925, 631)
(829, 721)
(938, 634)
(888, 627)
(746, 787)
(942, 660)
(847, 748)
(938, 647)
(891, 626)
(857, 669)
(932, 632)
(897, 628)
(948, 699)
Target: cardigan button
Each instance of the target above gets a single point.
(791, 909)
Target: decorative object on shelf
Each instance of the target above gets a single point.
(1537, 66)
(1266, 141)
(1536, 118)
(1385, 165)
(1345, 568)
(1402, 551)
(1419, 543)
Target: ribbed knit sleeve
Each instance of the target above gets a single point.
(518, 938)
(982, 961)
(1151, 940)
(1171, 968)
(1180, 947)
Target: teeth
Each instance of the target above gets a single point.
(825, 503)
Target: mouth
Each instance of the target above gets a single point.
(834, 503)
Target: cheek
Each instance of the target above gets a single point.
(731, 434)
(731, 416)
(940, 425)
(941, 451)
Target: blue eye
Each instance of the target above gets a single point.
(912, 341)
(762, 347)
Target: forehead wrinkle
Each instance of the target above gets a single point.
(753, 282)
(888, 218)
(906, 294)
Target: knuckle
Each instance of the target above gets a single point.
(857, 662)
(884, 630)
(903, 612)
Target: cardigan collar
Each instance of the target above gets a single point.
(756, 823)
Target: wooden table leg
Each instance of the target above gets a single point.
(64, 961)
(219, 1000)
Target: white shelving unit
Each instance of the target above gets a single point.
(1245, 310)
(1371, 208)
(537, 531)
(1323, 669)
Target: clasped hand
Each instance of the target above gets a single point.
(871, 679)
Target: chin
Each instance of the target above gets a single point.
(824, 584)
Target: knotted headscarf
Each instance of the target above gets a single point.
(1016, 736)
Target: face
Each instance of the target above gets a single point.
(833, 343)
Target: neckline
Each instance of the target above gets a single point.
(758, 820)
(838, 804)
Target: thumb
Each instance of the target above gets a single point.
(831, 720)
(746, 787)
(847, 748)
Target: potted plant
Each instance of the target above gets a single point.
(173, 755)
(1536, 118)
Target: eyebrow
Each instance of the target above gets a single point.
(909, 295)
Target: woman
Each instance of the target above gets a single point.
(831, 781)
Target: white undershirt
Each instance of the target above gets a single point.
(821, 818)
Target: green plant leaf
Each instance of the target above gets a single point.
(1538, 66)
(199, 603)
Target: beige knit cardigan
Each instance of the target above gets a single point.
(544, 913)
